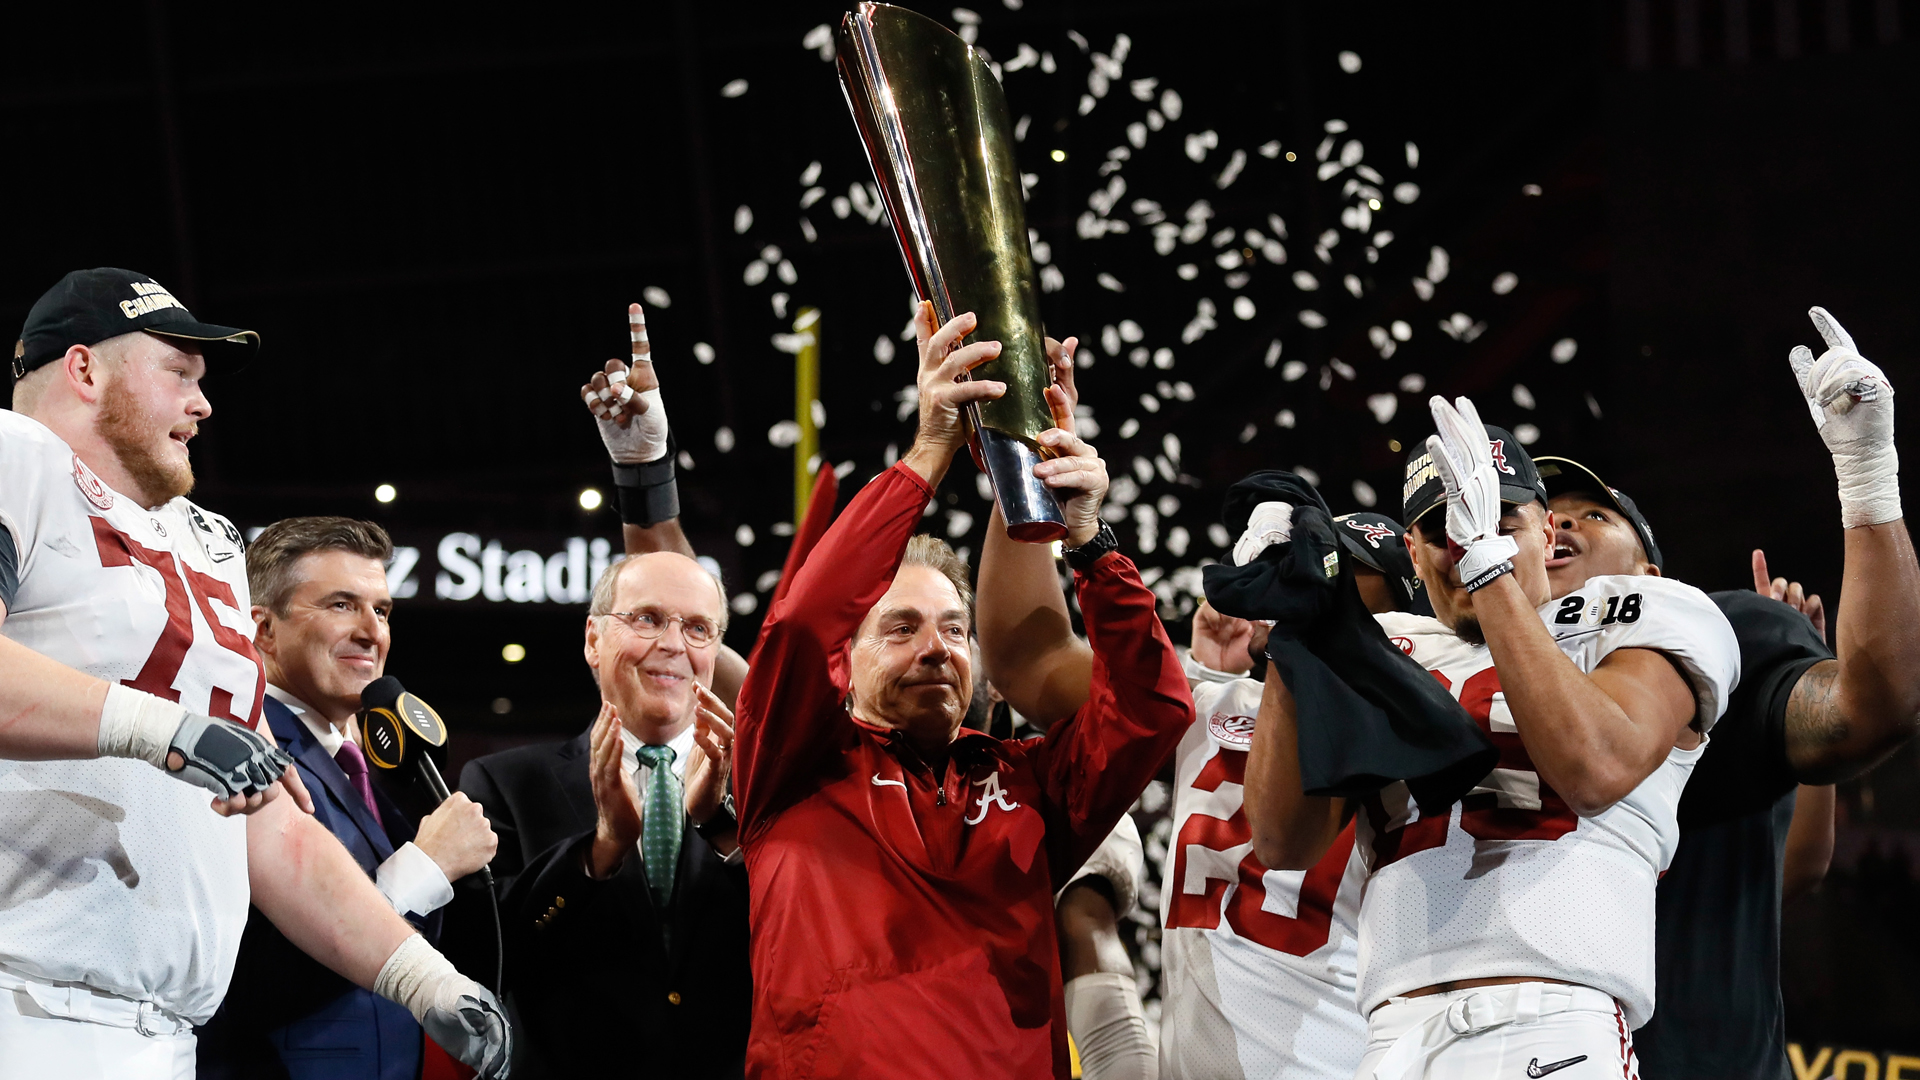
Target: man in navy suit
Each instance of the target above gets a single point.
(320, 611)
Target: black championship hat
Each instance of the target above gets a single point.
(90, 306)
(1376, 540)
(1565, 476)
(1519, 480)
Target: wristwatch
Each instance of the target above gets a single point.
(1083, 557)
(721, 823)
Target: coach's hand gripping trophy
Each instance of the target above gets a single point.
(936, 131)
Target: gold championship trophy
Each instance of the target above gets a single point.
(935, 126)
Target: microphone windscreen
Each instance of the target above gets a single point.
(381, 693)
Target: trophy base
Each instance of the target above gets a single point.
(1033, 515)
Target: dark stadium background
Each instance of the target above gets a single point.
(436, 214)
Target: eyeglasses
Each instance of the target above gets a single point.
(699, 633)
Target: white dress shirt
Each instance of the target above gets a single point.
(409, 879)
(682, 746)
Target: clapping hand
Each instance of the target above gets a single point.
(709, 770)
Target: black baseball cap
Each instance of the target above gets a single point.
(1519, 479)
(1564, 476)
(1377, 540)
(89, 306)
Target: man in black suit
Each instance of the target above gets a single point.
(626, 918)
(321, 627)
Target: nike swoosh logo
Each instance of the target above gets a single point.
(877, 782)
(1537, 1070)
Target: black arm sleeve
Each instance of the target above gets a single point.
(1745, 768)
(9, 569)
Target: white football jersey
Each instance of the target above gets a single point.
(113, 874)
(1258, 966)
(1510, 882)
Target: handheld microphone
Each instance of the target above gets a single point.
(397, 727)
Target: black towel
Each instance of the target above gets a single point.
(1367, 714)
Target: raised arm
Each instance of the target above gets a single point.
(1026, 635)
(1291, 829)
(632, 417)
(788, 713)
(1846, 715)
(1593, 738)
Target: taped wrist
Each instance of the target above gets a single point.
(1109, 1026)
(418, 978)
(1869, 485)
(1488, 576)
(647, 494)
(135, 724)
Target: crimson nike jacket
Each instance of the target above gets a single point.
(902, 920)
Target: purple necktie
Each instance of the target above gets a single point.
(354, 764)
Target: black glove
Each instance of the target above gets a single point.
(226, 758)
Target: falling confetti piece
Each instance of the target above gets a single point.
(723, 439)
(1564, 350)
(1307, 474)
(742, 219)
(656, 296)
(1312, 319)
(703, 352)
(1383, 406)
(1243, 308)
(1273, 353)
(1305, 281)
(1504, 284)
(1350, 63)
(1413, 382)
(743, 536)
(1522, 396)
(1363, 493)
(1293, 370)
(1401, 330)
(1527, 434)
(820, 40)
(1413, 157)
(1284, 418)
(1109, 282)
(1406, 191)
(883, 349)
(1529, 189)
(734, 89)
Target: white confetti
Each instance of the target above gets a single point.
(1150, 403)
(723, 439)
(1218, 535)
(1351, 153)
(1504, 284)
(1350, 63)
(1423, 288)
(784, 434)
(812, 195)
(1203, 321)
(789, 275)
(1593, 405)
(1527, 434)
(1243, 308)
(1177, 541)
(1529, 189)
(1383, 406)
(1413, 382)
(1564, 350)
(744, 603)
(1312, 319)
(1163, 359)
(1232, 172)
(1139, 357)
(1109, 282)
(1270, 149)
(779, 302)
(1293, 370)
(1020, 129)
(1437, 265)
(768, 579)
(1284, 418)
(1307, 474)
(1130, 332)
(841, 207)
(1273, 353)
(1344, 369)
(1170, 104)
(1401, 330)
(755, 273)
(1199, 143)
(743, 536)
(1353, 286)
(1305, 281)
(1382, 238)
(1247, 433)
(742, 219)
(1381, 341)
(1406, 191)
(1110, 338)
(1051, 279)
(812, 174)
(1186, 271)
(819, 39)
(1522, 396)
(734, 89)
(1413, 159)
(1229, 259)
(703, 352)
(958, 524)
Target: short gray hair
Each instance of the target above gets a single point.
(936, 555)
(609, 583)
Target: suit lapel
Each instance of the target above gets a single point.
(300, 743)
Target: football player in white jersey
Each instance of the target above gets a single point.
(124, 638)
(1513, 932)
(1258, 966)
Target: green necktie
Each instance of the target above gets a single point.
(660, 833)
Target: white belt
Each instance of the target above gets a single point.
(1470, 1012)
(76, 1001)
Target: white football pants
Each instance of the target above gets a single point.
(74, 1033)
(1534, 1030)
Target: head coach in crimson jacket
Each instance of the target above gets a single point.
(321, 627)
(625, 922)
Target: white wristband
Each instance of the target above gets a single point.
(1869, 486)
(419, 978)
(136, 724)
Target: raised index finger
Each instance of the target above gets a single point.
(1830, 329)
(1762, 581)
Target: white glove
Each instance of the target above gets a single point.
(459, 1014)
(1852, 406)
(633, 423)
(1270, 523)
(1463, 457)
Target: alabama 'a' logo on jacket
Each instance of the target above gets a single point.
(991, 794)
